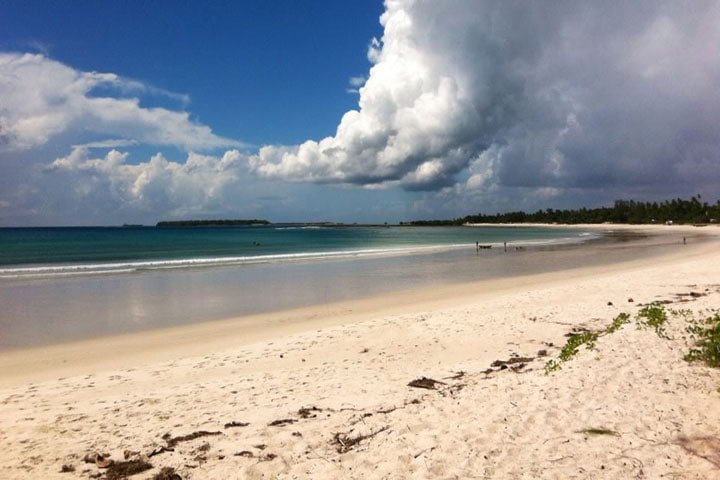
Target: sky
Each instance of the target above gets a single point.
(357, 111)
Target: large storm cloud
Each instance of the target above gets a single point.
(558, 95)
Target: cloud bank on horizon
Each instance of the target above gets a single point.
(466, 101)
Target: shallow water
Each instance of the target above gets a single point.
(67, 251)
(43, 311)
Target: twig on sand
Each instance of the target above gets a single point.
(598, 431)
(423, 451)
(345, 443)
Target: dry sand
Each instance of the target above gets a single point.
(349, 364)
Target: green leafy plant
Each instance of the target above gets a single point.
(571, 348)
(706, 334)
(552, 366)
(587, 338)
(653, 316)
(618, 322)
(574, 342)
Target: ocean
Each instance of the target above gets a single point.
(62, 251)
(66, 284)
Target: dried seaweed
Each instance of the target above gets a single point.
(167, 473)
(307, 412)
(236, 424)
(120, 470)
(172, 441)
(282, 422)
(425, 382)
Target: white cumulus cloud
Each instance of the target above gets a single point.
(41, 99)
(157, 185)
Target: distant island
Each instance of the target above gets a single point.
(211, 223)
(692, 211)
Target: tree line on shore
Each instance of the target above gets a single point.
(692, 211)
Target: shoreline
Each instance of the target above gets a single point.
(43, 311)
(44, 362)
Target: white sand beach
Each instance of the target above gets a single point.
(322, 392)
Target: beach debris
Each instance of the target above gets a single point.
(236, 424)
(260, 446)
(95, 457)
(121, 470)
(172, 441)
(344, 443)
(365, 350)
(263, 458)
(424, 382)
(503, 364)
(457, 376)
(127, 454)
(307, 412)
(423, 451)
(282, 422)
(159, 450)
(167, 473)
(662, 302)
(610, 304)
(542, 353)
(687, 297)
(297, 434)
(577, 331)
(630, 300)
(452, 389)
(204, 447)
(707, 447)
(67, 468)
(598, 431)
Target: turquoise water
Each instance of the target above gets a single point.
(27, 252)
(64, 284)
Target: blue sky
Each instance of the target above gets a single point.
(264, 72)
(353, 110)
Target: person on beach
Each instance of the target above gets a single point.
(505, 246)
(477, 247)
(684, 241)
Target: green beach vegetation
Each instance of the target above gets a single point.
(587, 338)
(706, 336)
(692, 211)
